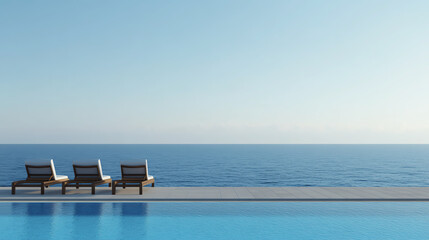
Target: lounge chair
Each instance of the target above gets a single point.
(134, 174)
(87, 174)
(41, 174)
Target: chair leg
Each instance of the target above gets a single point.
(64, 188)
(141, 189)
(93, 189)
(77, 185)
(153, 184)
(42, 188)
(110, 184)
(123, 185)
(114, 188)
(13, 189)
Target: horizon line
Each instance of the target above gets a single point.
(214, 143)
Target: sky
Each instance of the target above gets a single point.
(286, 72)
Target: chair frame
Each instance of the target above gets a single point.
(132, 180)
(36, 180)
(85, 180)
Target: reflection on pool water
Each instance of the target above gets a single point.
(235, 220)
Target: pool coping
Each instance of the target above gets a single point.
(222, 194)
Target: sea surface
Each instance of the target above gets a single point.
(239, 165)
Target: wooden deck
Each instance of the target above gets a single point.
(104, 194)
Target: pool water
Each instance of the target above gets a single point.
(217, 220)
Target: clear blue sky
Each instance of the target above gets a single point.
(214, 71)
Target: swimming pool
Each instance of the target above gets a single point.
(217, 220)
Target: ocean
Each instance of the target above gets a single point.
(238, 165)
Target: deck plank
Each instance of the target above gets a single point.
(221, 194)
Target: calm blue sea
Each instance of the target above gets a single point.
(240, 165)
